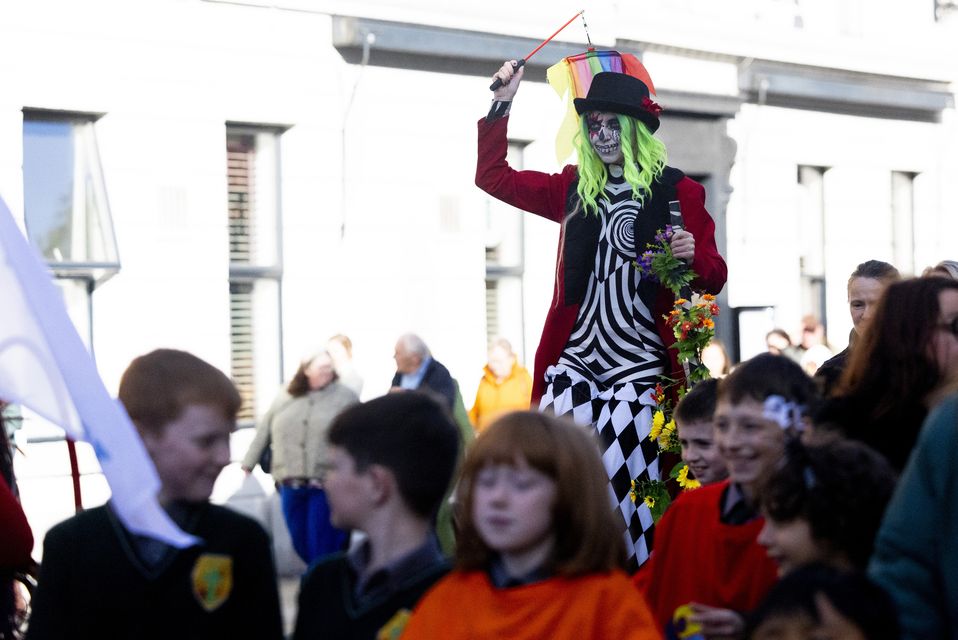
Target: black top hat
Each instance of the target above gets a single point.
(620, 93)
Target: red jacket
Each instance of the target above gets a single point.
(553, 196)
(16, 539)
(699, 559)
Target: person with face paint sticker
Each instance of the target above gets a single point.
(708, 568)
(605, 342)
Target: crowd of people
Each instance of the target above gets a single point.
(822, 506)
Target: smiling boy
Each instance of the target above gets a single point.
(708, 567)
(99, 580)
(693, 420)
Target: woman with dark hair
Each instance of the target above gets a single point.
(908, 353)
(295, 428)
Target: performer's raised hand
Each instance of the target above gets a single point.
(683, 245)
(510, 77)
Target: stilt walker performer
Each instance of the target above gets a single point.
(605, 341)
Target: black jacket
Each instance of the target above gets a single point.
(328, 609)
(437, 380)
(93, 585)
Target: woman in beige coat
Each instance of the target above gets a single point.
(295, 428)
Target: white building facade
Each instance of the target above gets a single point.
(244, 179)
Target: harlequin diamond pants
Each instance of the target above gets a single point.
(622, 419)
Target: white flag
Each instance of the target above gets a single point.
(45, 366)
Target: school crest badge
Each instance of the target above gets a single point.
(396, 625)
(212, 580)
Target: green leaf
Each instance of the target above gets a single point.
(658, 510)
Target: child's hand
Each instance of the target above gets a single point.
(716, 622)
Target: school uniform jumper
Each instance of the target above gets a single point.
(94, 585)
(698, 558)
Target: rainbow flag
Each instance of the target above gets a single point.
(571, 78)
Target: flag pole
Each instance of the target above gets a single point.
(75, 474)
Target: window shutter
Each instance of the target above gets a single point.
(240, 163)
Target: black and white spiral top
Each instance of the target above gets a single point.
(614, 339)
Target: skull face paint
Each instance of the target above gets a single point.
(604, 134)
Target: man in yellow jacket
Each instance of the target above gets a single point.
(505, 386)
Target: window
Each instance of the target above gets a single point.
(903, 220)
(255, 264)
(67, 218)
(505, 266)
(811, 181)
(66, 211)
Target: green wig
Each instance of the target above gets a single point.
(643, 159)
